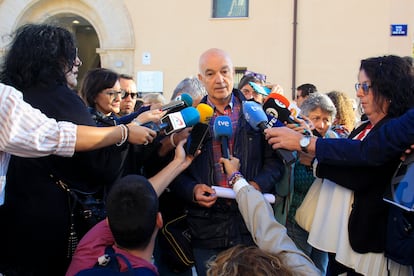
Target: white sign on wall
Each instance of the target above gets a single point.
(150, 81)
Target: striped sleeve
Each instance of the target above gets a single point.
(26, 132)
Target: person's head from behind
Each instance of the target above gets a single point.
(132, 208)
(241, 260)
(248, 90)
(154, 100)
(303, 91)
(385, 87)
(101, 90)
(216, 72)
(130, 95)
(345, 114)
(191, 86)
(320, 110)
(39, 54)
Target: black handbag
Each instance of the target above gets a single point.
(90, 208)
(177, 239)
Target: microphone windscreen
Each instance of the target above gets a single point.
(254, 114)
(185, 98)
(206, 112)
(277, 109)
(282, 99)
(222, 127)
(190, 116)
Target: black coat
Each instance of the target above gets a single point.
(35, 216)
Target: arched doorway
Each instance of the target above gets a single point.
(102, 42)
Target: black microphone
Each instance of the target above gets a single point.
(257, 119)
(275, 106)
(223, 130)
(201, 130)
(180, 102)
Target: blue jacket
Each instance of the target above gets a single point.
(387, 143)
(222, 224)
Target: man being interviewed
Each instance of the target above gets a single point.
(216, 223)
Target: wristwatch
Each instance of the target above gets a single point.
(304, 143)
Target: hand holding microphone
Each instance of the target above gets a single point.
(223, 131)
(257, 119)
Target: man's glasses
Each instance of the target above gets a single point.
(125, 94)
(113, 94)
(365, 87)
(256, 75)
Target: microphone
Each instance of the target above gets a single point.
(200, 130)
(176, 121)
(223, 130)
(257, 119)
(180, 102)
(276, 105)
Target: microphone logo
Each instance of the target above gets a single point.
(279, 103)
(177, 120)
(223, 123)
(272, 112)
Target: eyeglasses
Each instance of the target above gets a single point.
(365, 87)
(256, 75)
(113, 94)
(125, 94)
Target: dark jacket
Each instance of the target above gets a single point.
(222, 226)
(368, 218)
(35, 216)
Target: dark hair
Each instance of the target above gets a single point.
(392, 80)
(307, 89)
(125, 76)
(39, 54)
(248, 78)
(95, 81)
(132, 207)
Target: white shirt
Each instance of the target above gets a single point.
(26, 132)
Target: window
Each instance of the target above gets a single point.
(238, 74)
(230, 8)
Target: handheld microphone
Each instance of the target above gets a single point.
(223, 130)
(176, 121)
(200, 130)
(182, 101)
(257, 119)
(276, 105)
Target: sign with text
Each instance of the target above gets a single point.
(399, 29)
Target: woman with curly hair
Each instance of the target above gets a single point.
(37, 211)
(242, 260)
(345, 116)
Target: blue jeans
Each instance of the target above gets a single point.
(300, 237)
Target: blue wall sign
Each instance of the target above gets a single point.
(399, 29)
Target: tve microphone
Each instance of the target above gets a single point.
(182, 101)
(176, 121)
(201, 130)
(275, 106)
(257, 119)
(223, 130)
